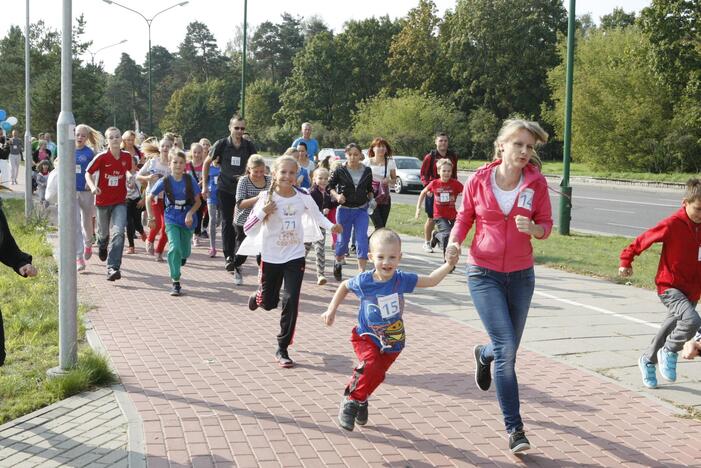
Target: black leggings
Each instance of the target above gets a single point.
(133, 220)
(227, 203)
(380, 215)
(272, 276)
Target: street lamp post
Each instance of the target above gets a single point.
(93, 54)
(149, 21)
(27, 126)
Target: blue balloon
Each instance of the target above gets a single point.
(6, 126)
(3, 114)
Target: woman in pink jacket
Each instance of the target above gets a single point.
(508, 203)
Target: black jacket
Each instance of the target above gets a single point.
(342, 182)
(13, 257)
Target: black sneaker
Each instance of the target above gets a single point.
(352, 249)
(284, 359)
(338, 271)
(102, 253)
(175, 290)
(347, 414)
(518, 442)
(113, 274)
(252, 302)
(483, 372)
(230, 264)
(434, 240)
(183, 262)
(362, 417)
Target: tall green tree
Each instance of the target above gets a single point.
(409, 121)
(200, 109)
(200, 57)
(621, 110)
(500, 51)
(415, 54)
(262, 101)
(134, 82)
(320, 87)
(618, 18)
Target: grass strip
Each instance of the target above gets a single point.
(30, 310)
(586, 254)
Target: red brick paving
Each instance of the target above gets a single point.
(200, 371)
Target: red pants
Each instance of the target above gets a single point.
(158, 210)
(370, 373)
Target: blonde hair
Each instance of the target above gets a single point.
(320, 171)
(693, 191)
(113, 129)
(176, 153)
(443, 162)
(290, 151)
(512, 126)
(95, 139)
(192, 148)
(255, 160)
(384, 236)
(285, 158)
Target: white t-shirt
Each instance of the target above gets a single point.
(506, 199)
(378, 172)
(282, 230)
(154, 166)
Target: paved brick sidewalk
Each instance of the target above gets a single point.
(84, 430)
(200, 371)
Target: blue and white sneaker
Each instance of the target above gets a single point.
(668, 364)
(648, 370)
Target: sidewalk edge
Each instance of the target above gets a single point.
(136, 446)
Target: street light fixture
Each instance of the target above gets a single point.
(148, 23)
(93, 54)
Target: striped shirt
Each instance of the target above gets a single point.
(245, 190)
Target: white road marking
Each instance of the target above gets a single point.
(615, 211)
(628, 226)
(598, 309)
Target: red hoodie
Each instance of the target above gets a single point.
(497, 244)
(680, 260)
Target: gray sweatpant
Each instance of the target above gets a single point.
(679, 326)
(319, 252)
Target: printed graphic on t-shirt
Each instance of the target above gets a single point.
(385, 321)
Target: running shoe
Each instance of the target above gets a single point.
(212, 253)
(321, 280)
(113, 274)
(283, 359)
(434, 240)
(229, 265)
(252, 302)
(102, 253)
(149, 248)
(668, 364)
(362, 417)
(87, 253)
(79, 264)
(338, 272)
(183, 262)
(647, 369)
(347, 413)
(131, 250)
(195, 241)
(175, 290)
(238, 277)
(518, 442)
(483, 372)
(427, 247)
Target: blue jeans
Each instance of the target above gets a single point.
(356, 219)
(502, 301)
(116, 216)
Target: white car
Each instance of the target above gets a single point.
(336, 154)
(408, 174)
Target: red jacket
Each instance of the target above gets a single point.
(680, 260)
(497, 244)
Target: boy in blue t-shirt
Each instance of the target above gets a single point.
(181, 204)
(379, 336)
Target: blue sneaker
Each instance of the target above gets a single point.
(648, 370)
(668, 364)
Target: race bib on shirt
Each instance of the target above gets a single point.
(525, 199)
(389, 305)
(112, 181)
(235, 161)
(78, 169)
(444, 197)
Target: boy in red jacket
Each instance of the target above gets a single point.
(678, 283)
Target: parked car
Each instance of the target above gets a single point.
(336, 154)
(408, 174)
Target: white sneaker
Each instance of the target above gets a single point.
(427, 247)
(238, 278)
(321, 280)
(80, 264)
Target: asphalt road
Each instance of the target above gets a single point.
(601, 209)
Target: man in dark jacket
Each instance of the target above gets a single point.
(13, 257)
(428, 173)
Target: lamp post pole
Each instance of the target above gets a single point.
(27, 126)
(243, 62)
(93, 54)
(566, 196)
(149, 21)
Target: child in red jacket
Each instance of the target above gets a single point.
(678, 283)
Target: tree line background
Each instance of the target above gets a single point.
(637, 89)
